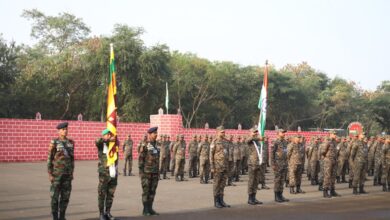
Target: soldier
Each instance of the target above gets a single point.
(359, 157)
(197, 156)
(301, 150)
(148, 164)
(128, 152)
(350, 163)
(192, 151)
(371, 149)
(173, 154)
(219, 157)
(312, 158)
(307, 150)
(386, 165)
(328, 153)
(279, 164)
(107, 184)
(231, 162)
(244, 161)
(211, 138)
(254, 165)
(169, 153)
(179, 150)
(342, 160)
(321, 163)
(266, 148)
(237, 159)
(295, 163)
(378, 162)
(60, 166)
(164, 152)
(143, 141)
(203, 154)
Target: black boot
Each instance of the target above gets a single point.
(326, 194)
(299, 190)
(361, 190)
(355, 192)
(343, 179)
(55, 215)
(257, 202)
(146, 211)
(251, 201)
(217, 204)
(102, 216)
(177, 179)
(292, 191)
(350, 184)
(223, 202)
(151, 210)
(109, 216)
(62, 215)
(384, 188)
(320, 188)
(282, 197)
(338, 179)
(277, 197)
(334, 193)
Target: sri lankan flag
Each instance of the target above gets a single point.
(113, 149)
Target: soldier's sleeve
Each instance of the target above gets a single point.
(353, 151)
(384, 151)
(50, 157)
(141, 158)
(72, 158)
(324, 148)
(289, 151)
(212, 152)
(99, 143)
(199, 149)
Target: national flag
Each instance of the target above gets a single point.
(113, 148)
(262, 105)
(166, 96)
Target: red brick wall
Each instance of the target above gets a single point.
(28, 140)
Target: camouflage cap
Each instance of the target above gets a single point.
(105, 131)
(253, 129)
(220, 128)
(281, 130)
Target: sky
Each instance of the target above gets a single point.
(345, 38)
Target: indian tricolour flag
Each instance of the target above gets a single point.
(262, 105)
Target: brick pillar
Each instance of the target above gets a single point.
(170, 124)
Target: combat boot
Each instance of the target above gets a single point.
(343, 180)
(384, 188)
(202, 181)
(320, 188)
(299, 190)
(55, 215)
(334, 193)
(146, 211)
(350, 184)
(326, 194)
(62, 215)
(337, 179)
(217, 204)
(251, 201)
(282, 197)
(361, 190)
(109, 216)
(223, 202)
(355, 192)
(277, 197)
(102, 216)
(177, 179)
(151, 210)
(257, 202)
(292, 191)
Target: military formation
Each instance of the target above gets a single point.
(223, 160)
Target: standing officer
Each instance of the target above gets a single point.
(231, 162)
(254, 165)
(143, 141)
(203, 154)
(193, 159)
(279, 164)
(107, 184)
(359, 157)
(378, 161)
(237, 159)
(342, 160)
(328, 151)
(128, 152)
(386, 165)
(312, 158)
(179, 150)
(370, 166)
(164, 152)
(295, 164)
(60, 166)
(219, 157)
(148, 164)
(173, 154)
(169, 153)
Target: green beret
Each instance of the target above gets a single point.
(105, 131)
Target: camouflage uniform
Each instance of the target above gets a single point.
(254, 170)
(359, 157)
(378, 163)
(329, 151)
(173, 155)
(203, 154)
(128, 154)
(244, 156)
(371, 152)
(236, 160)
(231, 162)
(193, 158)
(279, 165)
(308, 168)
(168, 143)
(350, 163)
(148, 164)
(313, 161)
(219, 158)
(60, 165)
(295, 164)
(386, 165)
(164, 152)
(107, 185)
(342, 161)
(179, 150)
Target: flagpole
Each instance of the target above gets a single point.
(262, 105)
